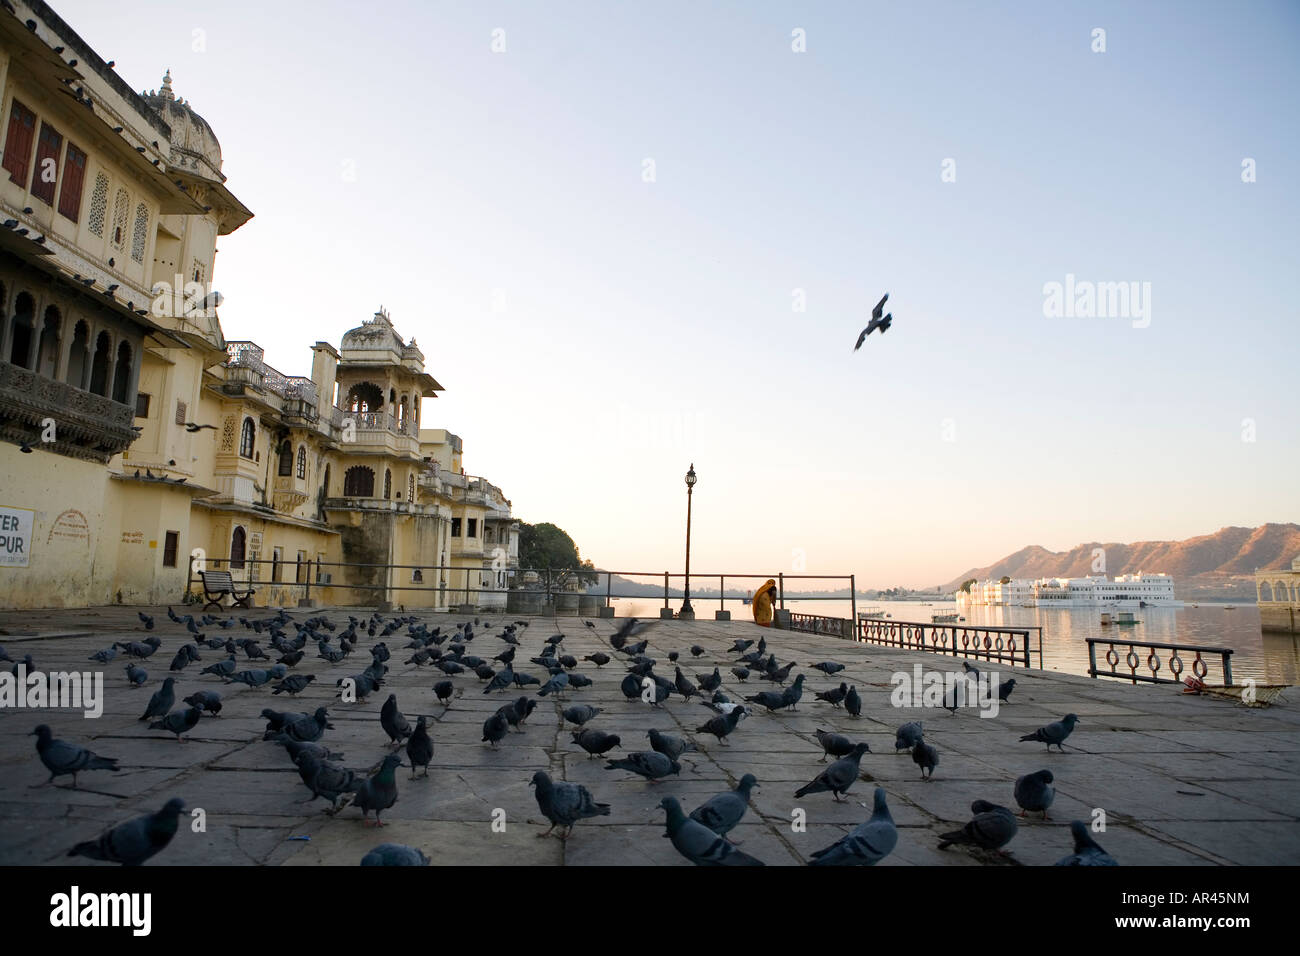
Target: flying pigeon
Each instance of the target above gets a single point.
(698, 843)
(1055, 732)
(838, 777)
(564, 804)
(62, 758)
(868, 843)
(876, 322)
(135, 841)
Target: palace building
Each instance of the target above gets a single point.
(138, 443)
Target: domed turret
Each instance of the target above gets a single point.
(194, 145)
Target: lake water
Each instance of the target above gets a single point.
(1268, 658)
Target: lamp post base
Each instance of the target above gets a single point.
(685, 615)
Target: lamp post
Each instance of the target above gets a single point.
(687, 612)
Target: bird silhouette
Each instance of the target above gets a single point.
(195, 426)
(876, 322)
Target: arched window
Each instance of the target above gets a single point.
(410, 487)
(120, 211)
(359, 482)
(247, 439)
(237, 544)
(47, 355)
(388, 483)
(22, 330)
(99, 367)
(79, 356)
(286, 458)
(139, 231)
(364, 397)
(122, 374)
(302, 461)
(98, 205)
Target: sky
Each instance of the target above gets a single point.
(636, 237)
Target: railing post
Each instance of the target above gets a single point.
(609, 578)
(853, 601)
(722, 593)
(665, 589)
(780, 583)
(1227, 668)
(307, 596)
(1092, 659)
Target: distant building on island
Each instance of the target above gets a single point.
(1278, 595)
(1126, 590)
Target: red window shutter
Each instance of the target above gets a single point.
(74, 174)
(45, 174)
(18, 144)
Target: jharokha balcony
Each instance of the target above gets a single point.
(86, 425)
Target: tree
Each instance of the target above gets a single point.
(549, 547)
(966, 585)
(1005, 579)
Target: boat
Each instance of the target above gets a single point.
(1121, 619)
(942, 618)
(872, 614)
(1230, 607)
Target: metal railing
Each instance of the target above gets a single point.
(551, 588)
(1009, 645)
(1132, 660)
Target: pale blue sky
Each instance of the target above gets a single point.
(649, 325)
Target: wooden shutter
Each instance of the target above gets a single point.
(48, 147)
(18, 144)
(74, 174)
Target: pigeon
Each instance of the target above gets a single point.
(595, 742)
(161, 701)
(1034, 791)
(419, 747)
(828, 667)
(380, 791)
(564, 804)
(970, 669)
(580, 714)
(253, 678)
(394, 854)
(494, 729)
(722, 812)
(647, 763)
(325, 779)
(740, 646)
(26, 663)
(684, 686)
(556, 685)
(299, 749)
(668, 745)
(181, 660)
(835, 696)
(698, 843)
(771, 699)
(697, 651)
(709, 682)
(853, 703)
(135, 841)
(600, 658)
(501, 680)
(867, 844)
(104, 656)
(444, 690)
(145, 619)
(906, 737)
(311, 728)
(579, 680)
(838, 777)
(722, 725)
(507, 656)
(518, 711)
(140, 649)
(394, 721)
(62, 758)
(4, 655)
(178, 722)
(1086, 850)
(136, 676)
(1005, 688)
(742, 673)
(833, 745)
(876, 322)
(276, 720)
(925, 757)
(208, 701)
(222, 669)
(294, 684)
(991, 828)
(1055, 732)
(523, 680)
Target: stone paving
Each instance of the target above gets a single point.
(1182, 780)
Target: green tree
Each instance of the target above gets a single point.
(1004, 579)
(966, 585)
(547, 546)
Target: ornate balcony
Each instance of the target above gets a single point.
(86, 425)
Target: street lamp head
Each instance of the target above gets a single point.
(690, 477)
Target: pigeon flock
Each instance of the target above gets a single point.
(474, 657)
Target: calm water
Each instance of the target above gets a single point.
(1268, 658)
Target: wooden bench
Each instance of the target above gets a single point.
(217, 584)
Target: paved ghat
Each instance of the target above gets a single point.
(1182, 780)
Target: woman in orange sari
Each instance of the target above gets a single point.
(762, 603)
